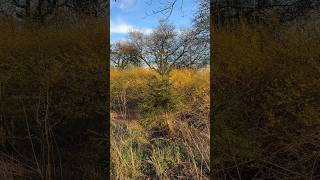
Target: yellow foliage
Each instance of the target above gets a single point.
(193, 86)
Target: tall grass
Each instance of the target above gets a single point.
(266, 93)
(52, 99)
(165, 132)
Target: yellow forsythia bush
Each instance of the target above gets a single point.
(131, 87)
(194, 85)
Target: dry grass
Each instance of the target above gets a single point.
(266, 102)
(52, 81)
(161, 144)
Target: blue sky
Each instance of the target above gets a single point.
(127, 15)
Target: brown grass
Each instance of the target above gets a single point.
(160, 143)
(52, 99)
(266, 102)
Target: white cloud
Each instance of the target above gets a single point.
(145, 30)
(123, 4)
(121, 27)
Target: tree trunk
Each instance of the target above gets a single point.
(28, 9)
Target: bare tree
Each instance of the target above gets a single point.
(42, 10)
(197, 55)
(201, 27)
(260, 10)
(6, 8)
(198, 52)
(202, 20)
(166, 7)
(163, 49)
(124, 54)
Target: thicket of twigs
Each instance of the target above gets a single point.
(266, 92)
(160, 124)
(53, 100)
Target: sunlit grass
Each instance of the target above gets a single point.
(160, 143)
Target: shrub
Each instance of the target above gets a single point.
(159, 95)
